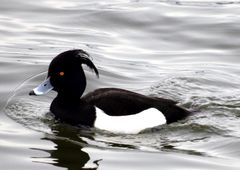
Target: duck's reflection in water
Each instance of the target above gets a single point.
(68, 151)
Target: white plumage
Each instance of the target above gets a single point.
(129, 124)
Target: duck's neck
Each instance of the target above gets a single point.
(66, 98)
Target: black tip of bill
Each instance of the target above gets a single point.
(32, 93)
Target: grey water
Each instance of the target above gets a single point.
(185, 50)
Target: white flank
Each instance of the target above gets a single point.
(131, 124)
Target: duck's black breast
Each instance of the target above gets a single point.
(119, 102)
(75, 112)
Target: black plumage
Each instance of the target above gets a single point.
(67, 77)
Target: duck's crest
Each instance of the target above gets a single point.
(85, 59)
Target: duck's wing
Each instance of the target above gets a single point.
(167, 101)
(118, 102)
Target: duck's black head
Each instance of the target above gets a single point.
(66, 75)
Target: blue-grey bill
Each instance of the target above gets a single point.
(43, 88)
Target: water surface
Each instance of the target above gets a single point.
(182, 50)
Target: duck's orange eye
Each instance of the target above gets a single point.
(61, 73)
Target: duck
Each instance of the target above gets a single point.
(109, 109)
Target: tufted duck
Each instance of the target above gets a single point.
(111, 109)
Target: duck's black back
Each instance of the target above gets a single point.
(119, 102)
